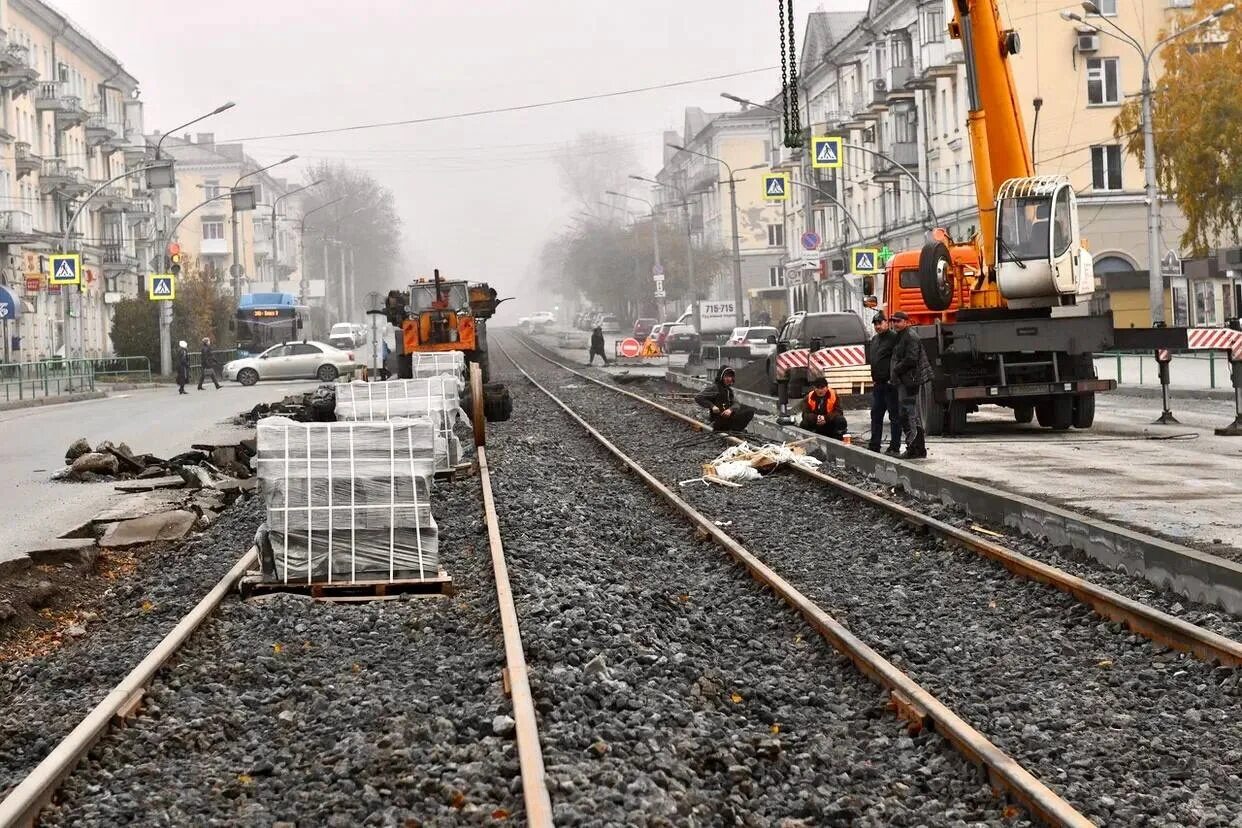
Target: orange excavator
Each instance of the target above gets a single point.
(1007, 316)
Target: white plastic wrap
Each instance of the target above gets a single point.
(435, 364)
(436, 398)
(348, 500)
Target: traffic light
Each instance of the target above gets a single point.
(174, 258)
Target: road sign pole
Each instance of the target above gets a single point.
(165, 337)
(737, 253)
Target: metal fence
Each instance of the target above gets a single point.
(46, 378)
(122, 369)
(1195, 369)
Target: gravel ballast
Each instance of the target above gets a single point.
(1129, 732)
(671, 689)
(282, 709)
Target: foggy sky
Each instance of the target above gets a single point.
(478, 196)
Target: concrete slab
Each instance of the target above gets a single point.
(140, 505)
(65, 550)
(162, 527)
(151, 484)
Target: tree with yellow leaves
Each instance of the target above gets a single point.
(1197, 121)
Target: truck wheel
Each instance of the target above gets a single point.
(937, 415)
(1084, 411)
(1056, 413)
(936, 275)
(955, 423)
(1023, 413)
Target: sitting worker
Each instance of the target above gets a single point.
(822, 411)
(723, 410)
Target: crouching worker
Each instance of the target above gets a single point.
(723, 409)
(822, 412)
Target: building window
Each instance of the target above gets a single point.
(213, 228)
(1106, 167)
(776, 276)
(776, 235)
(933, 24)
(1205, 302)
(211, 188)
(1108, 8)
(1102, 88)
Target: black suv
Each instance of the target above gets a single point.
(813, 331)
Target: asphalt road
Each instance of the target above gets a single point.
(158, 421)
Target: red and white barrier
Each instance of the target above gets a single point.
(1223, 339)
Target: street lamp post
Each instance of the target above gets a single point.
(177, 129)
(685, 204)
(1155, 278)
(347, 282)
(235, 269)
(302, 248)
(738, 315)
(275, 201)
(656, 267)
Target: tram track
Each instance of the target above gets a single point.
(1092, 708)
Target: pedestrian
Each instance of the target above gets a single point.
(910, 371)
(183, 366)
(822, 412)
(883, 392)
(597, 346)
(207, 361)
(723, 410)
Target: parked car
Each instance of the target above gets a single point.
(608, 323)
(756, 336)
(357, 334)
(813, 331)
(642, 327)
(293, 360)
(543, 318)
(681, 339)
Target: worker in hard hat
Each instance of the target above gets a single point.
(723, 410)
(821, 412)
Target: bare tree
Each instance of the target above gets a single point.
(593, 163)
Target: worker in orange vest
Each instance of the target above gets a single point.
(822, 411)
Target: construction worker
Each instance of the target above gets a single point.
(597, 346)
(911, 370)
(723, 410)
(822, 411)
(883, 392)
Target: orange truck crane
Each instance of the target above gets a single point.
(1007, 316)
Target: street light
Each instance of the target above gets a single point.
(685, 204)
(175, 130)
(832, 198)
(302, 248)
(1155, 279)
(275, 201)
(739, 317)
(235, 269)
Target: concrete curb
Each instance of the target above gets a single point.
(14, 405)
(1196, 575)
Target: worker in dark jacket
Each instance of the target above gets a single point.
(183, 366)
(822, 413)
(911, 370)
(883, 392)
(723, 409)
(207, 362)
(597, 346)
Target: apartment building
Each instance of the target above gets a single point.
(70, 120)
(893, 84)
(733, 140)
(205, 173)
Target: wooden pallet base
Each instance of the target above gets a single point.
(460, 470)
(435, 586)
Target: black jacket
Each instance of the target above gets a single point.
(183, 366)
(880, 355)
(208, 359)
(911, 367)
(719, 395)
(597, 341)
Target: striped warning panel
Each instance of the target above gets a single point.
(838, 357)
(1225, 339)
(797, 358)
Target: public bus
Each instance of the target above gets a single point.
(267, 319)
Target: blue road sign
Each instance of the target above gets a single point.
(163, 288)
(826, 152)
(66, 269)
(10, 305)
(810, 240)
(864, 260)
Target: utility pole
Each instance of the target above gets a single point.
(236, 270)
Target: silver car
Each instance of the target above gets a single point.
(293, 360)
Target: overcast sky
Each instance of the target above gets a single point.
(478, 195)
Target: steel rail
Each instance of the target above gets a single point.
(516, 680)
(21, 807)
(909, 699)
(1142, 619)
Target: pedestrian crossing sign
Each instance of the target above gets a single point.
(826, 152)
(66, 269)
(776, 186)
(864, 260)
(163, 288)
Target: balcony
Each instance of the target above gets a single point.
(214, 247)
(140, 209)
(878, 100)
(24, 160)
(115, 199)
(117, 258)
(937, 60)
(98, 130)
(899, 88)
(824, 181)
(16, 227)
(17, 75)
(56, 175)
(68, 108)
(905, 153)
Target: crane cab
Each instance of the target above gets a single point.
(1040, 260)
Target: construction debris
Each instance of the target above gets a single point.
(746, 462)
(167, 526)
(203, 467)
(317, 406)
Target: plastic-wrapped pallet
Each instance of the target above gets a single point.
(437, 398)
(435, 364)
(347, 500)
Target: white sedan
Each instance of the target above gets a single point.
(293, 360)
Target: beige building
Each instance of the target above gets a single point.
(70, 120)
(739, 140)
(892, 82)
(205, 173)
